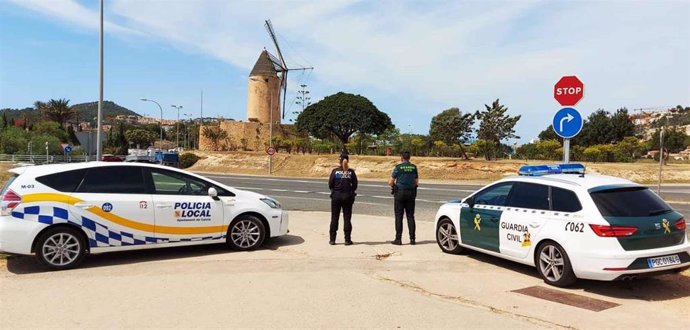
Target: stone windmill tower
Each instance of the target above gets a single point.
(267, 81)
(263, 100)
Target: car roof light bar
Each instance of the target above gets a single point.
(537, 170)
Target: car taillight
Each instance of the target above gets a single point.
(10, 200)
(680, 224)
(613, 231)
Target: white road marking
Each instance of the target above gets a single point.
(323, 182)
(321, 199)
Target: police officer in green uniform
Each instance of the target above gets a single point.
(404, 181)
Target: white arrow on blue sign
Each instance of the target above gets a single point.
(68, 149)
(567, 123)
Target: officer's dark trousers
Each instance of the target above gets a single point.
(404, 203)
(342, 201)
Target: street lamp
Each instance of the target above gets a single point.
(161, 122)
(177, 125)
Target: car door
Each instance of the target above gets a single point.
(479, 220)
(528, 210)
(111, 203)
(183, 209)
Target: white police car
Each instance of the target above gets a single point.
(569, 225)
(62, 212)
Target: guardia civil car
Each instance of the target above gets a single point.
(63, 212)
(569, 225)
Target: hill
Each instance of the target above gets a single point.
(89, 111)
(85, 112)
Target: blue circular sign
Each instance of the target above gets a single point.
(107, 207)
(567, 123)
(68, 149)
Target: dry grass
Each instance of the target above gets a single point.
(431, 168)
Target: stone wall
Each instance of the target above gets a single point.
(250, 136)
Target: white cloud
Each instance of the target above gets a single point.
(73, 12)
(420, 56)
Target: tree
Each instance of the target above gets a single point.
(674, 140)
(140, 137)
(452, 127)
(621, 125)
(303, 100)
(215, 134)
(57, 110)
(342, 115)
(51, 128)
(597, 129)
(549, 149)
(495, 127)
(4, 120)
(549, 134)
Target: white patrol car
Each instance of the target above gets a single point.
(569, 225)
(62, 212)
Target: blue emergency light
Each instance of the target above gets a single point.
(536, 170)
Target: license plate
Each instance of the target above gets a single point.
(663, 261)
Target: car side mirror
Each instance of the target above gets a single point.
(213, 193)
(469, 201)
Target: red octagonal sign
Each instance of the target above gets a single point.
(568, 91)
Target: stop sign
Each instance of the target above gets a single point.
(568, 91)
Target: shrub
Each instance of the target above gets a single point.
(188, 159)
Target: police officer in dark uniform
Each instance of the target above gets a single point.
(343, 184)
(404, 181)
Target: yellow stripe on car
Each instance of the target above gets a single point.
(60, 198)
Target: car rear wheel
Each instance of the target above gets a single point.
(61, 248)
(554, 265)
(246, 233)
(447, 237)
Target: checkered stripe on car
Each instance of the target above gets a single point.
(99, 235)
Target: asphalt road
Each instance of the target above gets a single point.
(374, 198)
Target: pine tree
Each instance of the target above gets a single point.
(496, 126)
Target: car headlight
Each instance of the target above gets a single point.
(271, 203)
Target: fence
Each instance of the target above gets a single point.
(43, 159)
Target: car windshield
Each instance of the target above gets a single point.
(629, 202)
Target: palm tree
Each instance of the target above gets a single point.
(57, 110)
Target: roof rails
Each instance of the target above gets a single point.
(538, 170)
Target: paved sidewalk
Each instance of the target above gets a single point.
(300, 281)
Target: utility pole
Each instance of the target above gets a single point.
(177, 125)
(270, 137)
(661, 153)
(99, 148)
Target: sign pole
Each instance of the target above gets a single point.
(566, 151)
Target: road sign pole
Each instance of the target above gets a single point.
(566, 151)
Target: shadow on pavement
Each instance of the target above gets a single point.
(405, 242)
(655, 288)
(28, 264)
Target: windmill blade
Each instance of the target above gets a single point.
(284, 82)
(271, 32)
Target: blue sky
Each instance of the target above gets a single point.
(413, 59)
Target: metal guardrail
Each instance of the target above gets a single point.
(43, 159)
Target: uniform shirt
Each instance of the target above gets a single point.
(342, 181)
(405, 174)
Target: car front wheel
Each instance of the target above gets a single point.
(554, 265)
(60, 248)
(447, 237)
(246, 233)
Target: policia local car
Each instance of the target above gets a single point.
(62, 212)
(569, 225)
